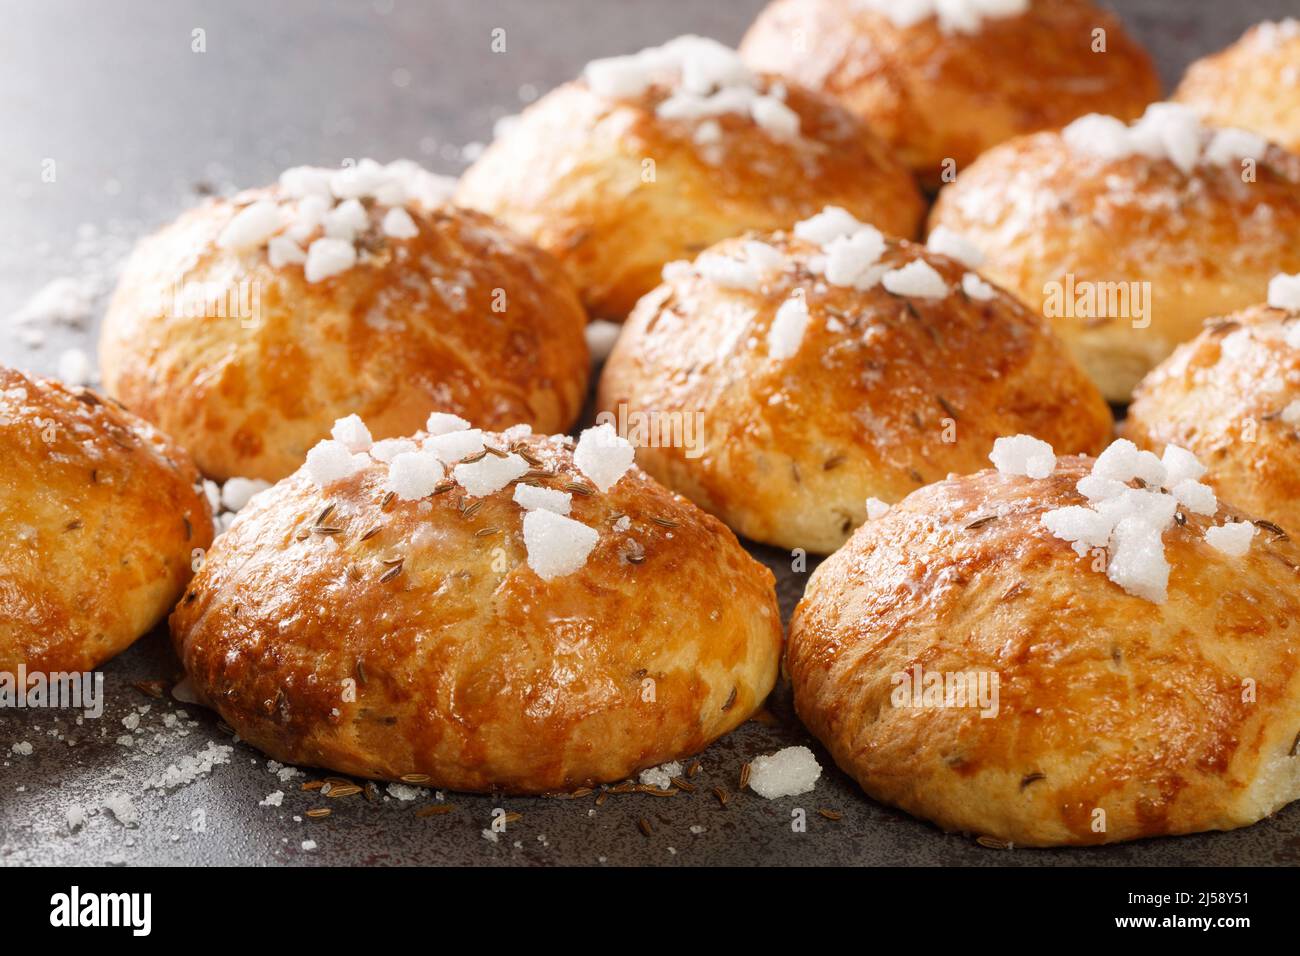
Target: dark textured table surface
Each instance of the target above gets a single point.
(113, 99)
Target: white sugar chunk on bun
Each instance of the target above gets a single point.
(1128, 236)
(103, 519)
(252, 322)
(1231, 396)
(478, 638)
(1080, 712)
(648, 158)
(852, 367)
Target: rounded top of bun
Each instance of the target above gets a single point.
(883, 392)
(1167, 718)
(941, 94)
(616, 190)
(247, 364)
(101, 516)
(468, 667)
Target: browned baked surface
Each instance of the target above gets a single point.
(936, 96)
(1169, 718)
(885, 393)
(1255, 83)
(101, 516)
(468, 667)
(1207, 242)
(1224, 396)
(571, 175)
(464, 317)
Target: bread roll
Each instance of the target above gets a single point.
(1128, 238)
(249, 325)
(652, 158)
(395, 625)
(943, 89)
(1232, 396)
(1254, 83)
(784, 404)
(103, 517)
(1080, 712)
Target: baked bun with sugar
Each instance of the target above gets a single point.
(102, 520)
(782, 380)
(1255, 83)
(943, 85)
(1129, 237)
(653, 157)
(1232, 396)
(479, 611)
(1081, 711)
(250, 324)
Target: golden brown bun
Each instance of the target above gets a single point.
(468, 667)
(1255, 84)
(937, 96)
(569, 176)
(1105, 700)
(410, 329)
(101, 516)
(1207, 242)
(1222, 397)
(793, 447)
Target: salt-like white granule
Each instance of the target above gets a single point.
(441, 423)
(603, 455)
(774, 116)
(191, 768)
(852, 262)
(413, 475)
(1181, 465)
(1232, 539)
(954, 16)
(918, 279)
(832, 223)
(387, 449)
(785, 335)
(1284, 293)
(67, 300)
(282, 251)
(252, 226)
(398, 224)
(22, 749)
(237, 492)
(489, 474)
(327, 257)
(1023, 455)
(661, 776)
(489, 835)
(556, 545)
(786, 773)
(330, 461)
(1195, 497)
(1291, 414)
(76, 817)
(755, 262)
(976, 288)
(1170, 131)
(531, 498)
(452, 446)
(75, 367)
(123, 808)
(352, 434)
(601, 336)
(404, 792)
(309, 845)
(274, 799)
(950, 243)
(346, 220)
(876, 509)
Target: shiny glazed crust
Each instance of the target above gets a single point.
(1222, 396)
(1169, 718)
(1207, 242)
(1255, 84)
(465, 317)
(467, 667)
(101, 517)
(885, 393)
(571, 175)
(937, 96)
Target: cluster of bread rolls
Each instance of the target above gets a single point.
(430, 584)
